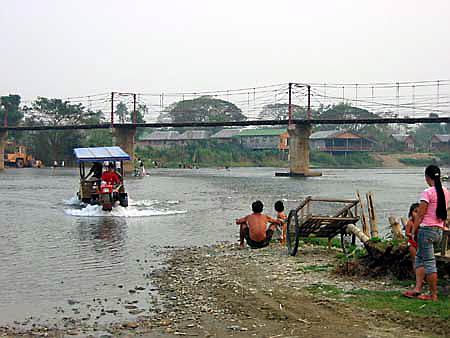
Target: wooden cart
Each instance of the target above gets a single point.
(319, 218)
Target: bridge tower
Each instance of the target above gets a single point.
(124, 137)
(299, 141)
(299, 151)
(3, 138)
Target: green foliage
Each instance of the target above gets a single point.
(211, 154)
(395, 301)
(205, 109)
(386, 301)
(423, 162)
(444, 157)
(352, 160)
(97, 138)
(335, 242)
(352, 255)
(122, 112)
(10, 105)
(280, 111)
(51, 145)
(324, 289)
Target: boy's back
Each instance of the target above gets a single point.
(257, 224)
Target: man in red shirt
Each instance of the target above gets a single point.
(110, 176)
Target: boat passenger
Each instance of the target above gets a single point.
(96, 171)
(110, 176)
(254, 229)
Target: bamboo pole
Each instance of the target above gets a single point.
(404, 221)
(372, 215)
(363, 215)
(353, 229)
(396, 229)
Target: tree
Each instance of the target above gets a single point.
(205, 109)
(122, 112)
(10, 105)
(51, 145)
(345, 111)
(280, 111)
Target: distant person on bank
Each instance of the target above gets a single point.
(254, 228)
(427, 227)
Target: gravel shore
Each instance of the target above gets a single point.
(221, 291)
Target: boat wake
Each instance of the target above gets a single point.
(144, 208)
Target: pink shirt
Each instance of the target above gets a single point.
(430, 196)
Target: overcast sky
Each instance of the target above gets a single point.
(62, 48)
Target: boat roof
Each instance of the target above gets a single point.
(98, 154)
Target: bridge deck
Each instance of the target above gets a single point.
(236, 123)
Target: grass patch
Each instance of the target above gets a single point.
(316, 267)
(394, 301)
(387, 301)
(324, 289)
(417, 162)
(335, 243)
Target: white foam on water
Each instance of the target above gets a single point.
(142, 203)
(172, 202)
(96, 211)
(73, 201)
(150, 203)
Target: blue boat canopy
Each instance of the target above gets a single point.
(98, 154)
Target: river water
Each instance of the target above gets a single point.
(58, 260)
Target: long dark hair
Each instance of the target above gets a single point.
(434, 173)
(413, 207)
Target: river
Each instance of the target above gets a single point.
(58, 260)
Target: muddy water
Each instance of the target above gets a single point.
(58, 260)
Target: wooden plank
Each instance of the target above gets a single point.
(305, 201)
(332, 218)
(372, 215)
(363, 215)
(346, 208)
(332, 200)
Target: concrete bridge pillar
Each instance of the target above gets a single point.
(3, 138)
(299, 151)
(124, 138)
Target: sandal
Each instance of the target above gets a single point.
(425, 297)
(411, 294)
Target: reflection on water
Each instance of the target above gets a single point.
(52, 252)
(105, 235)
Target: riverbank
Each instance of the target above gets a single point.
(221, 291)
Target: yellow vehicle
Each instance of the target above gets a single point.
(16, 155)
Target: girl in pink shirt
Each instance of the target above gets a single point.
(428, 226)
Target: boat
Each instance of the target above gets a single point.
(94, 189)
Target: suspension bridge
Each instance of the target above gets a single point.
(388, 102)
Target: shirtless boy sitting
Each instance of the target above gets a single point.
(253, 227)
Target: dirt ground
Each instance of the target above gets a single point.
(221, 291)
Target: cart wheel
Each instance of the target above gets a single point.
(347, 242)
(293, 234)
